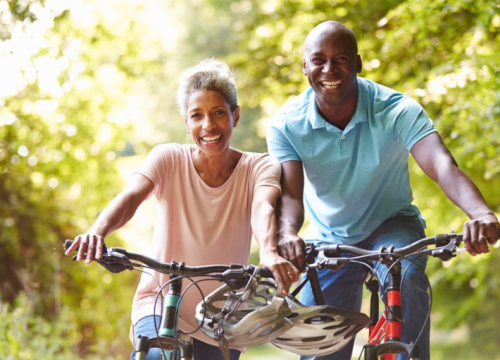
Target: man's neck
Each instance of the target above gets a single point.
(339, 115)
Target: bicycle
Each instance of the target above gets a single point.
(304, 330)
(384, 335)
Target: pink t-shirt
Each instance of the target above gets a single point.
(198, 224)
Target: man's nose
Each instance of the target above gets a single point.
(330, 67)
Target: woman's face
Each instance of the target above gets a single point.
(210, 121)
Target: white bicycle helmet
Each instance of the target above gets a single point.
(319, 329)
(240, 319)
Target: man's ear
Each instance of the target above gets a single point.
(359, 64)
(304, 66)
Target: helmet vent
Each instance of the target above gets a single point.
(319, 319)
(313, 339)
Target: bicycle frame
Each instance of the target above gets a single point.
(167, 333)
(387, 327)
(384, 333)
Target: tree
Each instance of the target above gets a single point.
(63, 123)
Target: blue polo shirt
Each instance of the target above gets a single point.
(357, 178)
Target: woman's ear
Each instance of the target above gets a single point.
(236, 116)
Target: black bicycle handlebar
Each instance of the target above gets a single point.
(117, 259)
(441, 241)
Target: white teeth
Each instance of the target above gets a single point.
(211, 139)
(331, 84)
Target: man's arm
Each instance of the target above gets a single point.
(291, 213)
(119, 211)
(264, 231)
(437, 162)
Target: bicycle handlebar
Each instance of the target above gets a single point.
(117, 259)
(441, 241)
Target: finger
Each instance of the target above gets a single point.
(493, 234)
(90, 249)
(467, 240)
(482, 242)
(287, 252)
(282, 288)
(83, 239)
(478, 240)
(300, 255)
(293, 273)
(100, 246)
(73, 246)
(474, 239)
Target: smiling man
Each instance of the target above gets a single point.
(343, 145)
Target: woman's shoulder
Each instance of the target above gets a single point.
(171, 149)
(255, 159)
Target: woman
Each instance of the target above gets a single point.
(210, 199)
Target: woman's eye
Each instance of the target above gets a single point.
(195, 115)
(219, 112)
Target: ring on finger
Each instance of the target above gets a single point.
(482, 237)
(290, 274)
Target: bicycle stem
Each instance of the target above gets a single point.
(170, 308)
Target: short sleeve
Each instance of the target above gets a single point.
(157, 166)
(413, 123)
(278, 144)
(266, 171)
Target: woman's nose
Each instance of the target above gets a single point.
(208, 123)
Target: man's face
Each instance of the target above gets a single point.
(331, 64)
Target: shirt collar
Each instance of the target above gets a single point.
(317, 121)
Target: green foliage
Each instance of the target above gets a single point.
(60, 133)
(25, 335)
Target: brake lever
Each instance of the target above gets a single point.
(448, 251)
(331, 264)
(236, 277)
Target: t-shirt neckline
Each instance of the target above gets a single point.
(198, 177)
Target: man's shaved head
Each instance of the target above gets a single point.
(331, 26)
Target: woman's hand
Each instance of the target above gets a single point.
(89, 243)
(285, 274)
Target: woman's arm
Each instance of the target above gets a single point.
(264, 230)
(119, 211)
(437, 162)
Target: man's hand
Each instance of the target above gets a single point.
(91, 243)
(291, 247)
(479, 232)
(285, 274)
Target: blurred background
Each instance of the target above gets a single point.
(87, 88)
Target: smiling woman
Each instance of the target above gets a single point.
(210, 200)
(210, 123)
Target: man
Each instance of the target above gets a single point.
(344, 145)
